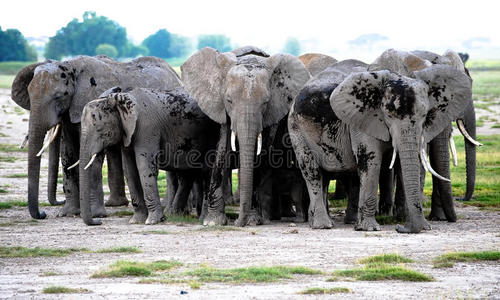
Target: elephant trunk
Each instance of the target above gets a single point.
(35, 142)
(247, 143)
(470, 151)
(86, 175)
(54, 151)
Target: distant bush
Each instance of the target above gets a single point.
(107, 49)
(12, 67)
(14, 47)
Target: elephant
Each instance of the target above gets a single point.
(373, 113)
(56, 92)
(316, 62)
(442, 200)
(155, 129)
(246, 91)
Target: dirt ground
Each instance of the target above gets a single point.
(269, 245)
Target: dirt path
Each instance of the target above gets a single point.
(326, 250)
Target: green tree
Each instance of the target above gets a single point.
(14, 47)
(107, 49)
(216, 41)
(84, 37)
(292, 46)
(165, 44)
(132, 50)
(180, 46)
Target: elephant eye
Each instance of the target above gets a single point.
(229, 100)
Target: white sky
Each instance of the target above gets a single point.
(321, 26)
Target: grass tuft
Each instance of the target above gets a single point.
(49, 273)
(55, 289)
(35, 252)
(120, 250)
(448, 260)
(375, 272)
(18, 175)
(385, 258)
(122, 213)
(183, 219)
(324, 291)
(249, 274)
(123, 268)
(218, 228)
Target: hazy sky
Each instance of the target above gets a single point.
(323, 26)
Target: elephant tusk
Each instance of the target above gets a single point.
(259, 143)
(393, 158)
(73, 165)
(464, 132)
(23, 144)
(233, 141)
(52, 134)
(90, 162)
(423, 157)
(423, 160)
(453, 151)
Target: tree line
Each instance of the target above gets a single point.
(99, 35)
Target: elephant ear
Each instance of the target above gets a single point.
(449, 92)
(288, 76)
(203, 75)
(20, 85)
(455, 60)
(316, 62)
(126, 105)
(357, 102)
(399, 62)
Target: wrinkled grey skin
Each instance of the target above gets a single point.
(442, 200)
(56, 92)
(373, 113)
(155, 130)
(245, 91)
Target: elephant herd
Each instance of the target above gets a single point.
(289, 125)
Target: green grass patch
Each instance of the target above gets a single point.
(56, 289)
(49, 273)
(17, 175)
(388, 258)
(36, 252)
(18, 203)
(19, 222)
(12, 67)
(160, 232)
(249, 274)
(122, 213)
(496, 125)
(376, 272)
(120, 250)
(447, 260)
(218, 228)
(483, 64)
(325, 291)
(123, 268)
(183, 219)
(12, 148)
(485, 83)
(6, 81)
(3, 191)
(8, 159)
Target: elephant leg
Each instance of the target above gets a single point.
(116, 184)
(197, 192)
(172, 186)
(148, 174)
(300, 197)
(351, 183)
(228, 189)
(443, 209)
(97, 195)
(265, 196)
(54, 152)
(180, 204)
(386, 185)
(134, 187)
(70, 152)
(399, 210)
(368, 159)
(216, 214)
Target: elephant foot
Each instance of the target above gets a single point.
(98, 212)
(139, 217)
(437, 214)
(68, 211)
(367, 224)
(351, 217)
(320, 221)
(54, 202)
(251, 219)
(155, 217)
(215, 219)
(117, 201)
(414, 227)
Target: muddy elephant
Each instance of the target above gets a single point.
(442, 201)
(245, 91)
(374, 112)
(56, 92)
(315, 63)
(155, 129)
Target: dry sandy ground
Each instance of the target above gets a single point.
(326, 250)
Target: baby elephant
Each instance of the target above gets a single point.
(155, 130)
